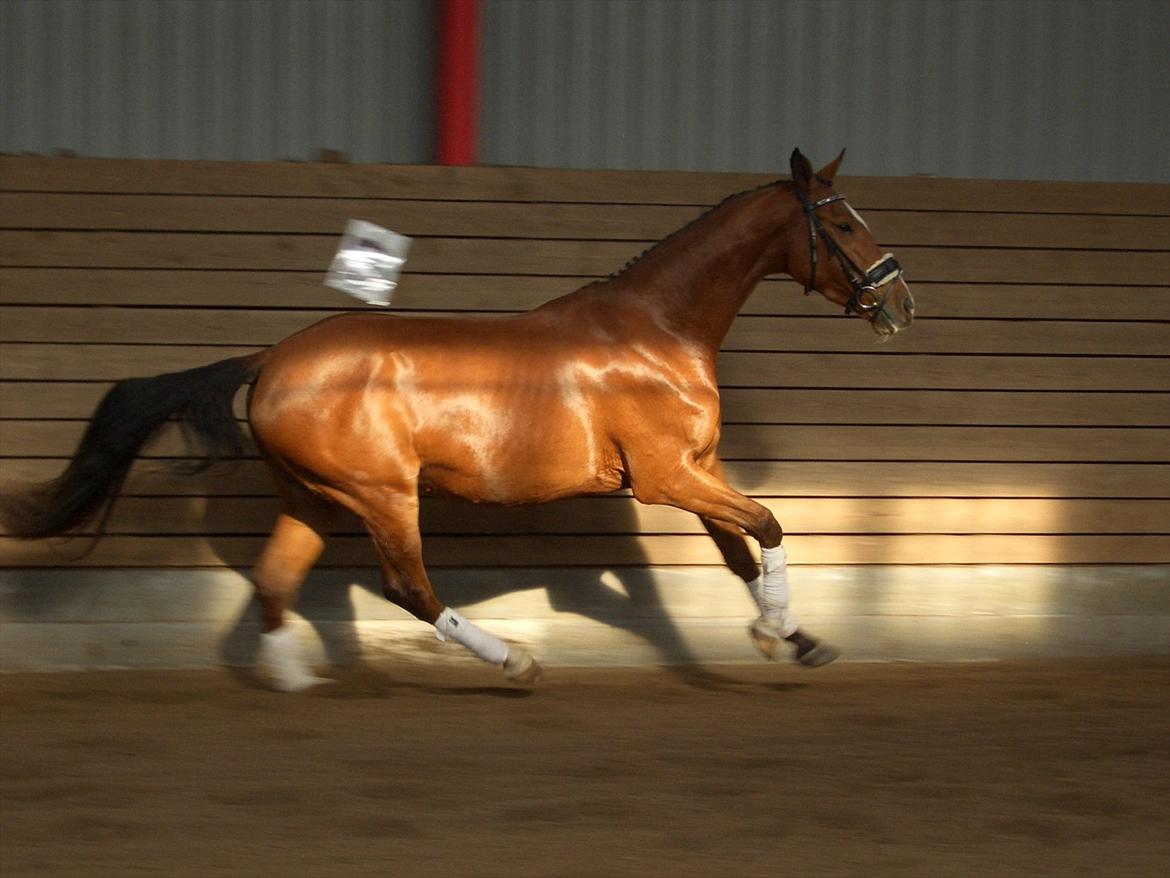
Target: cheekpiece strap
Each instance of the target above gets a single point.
(810, 210)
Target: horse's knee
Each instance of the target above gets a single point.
(768, 530)
(417, 598)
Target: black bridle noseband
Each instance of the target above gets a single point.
(865, 283)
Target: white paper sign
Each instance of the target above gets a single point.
(368, 262)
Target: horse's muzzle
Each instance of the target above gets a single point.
(897, 313)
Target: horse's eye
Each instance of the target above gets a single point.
(844, 227)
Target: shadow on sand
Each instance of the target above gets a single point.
(627, 598)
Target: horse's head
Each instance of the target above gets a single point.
(832, 251)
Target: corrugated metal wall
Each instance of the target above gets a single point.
(217, 79)
(1036, 89)
(1040, 89)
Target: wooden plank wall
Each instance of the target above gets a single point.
(1024, 419)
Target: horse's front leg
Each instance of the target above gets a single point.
(770, 592)
(727, 514)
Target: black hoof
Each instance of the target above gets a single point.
(812, 653)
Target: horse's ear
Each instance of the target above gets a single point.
(829, 172)
(802, 170)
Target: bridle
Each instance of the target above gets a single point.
(866, 284)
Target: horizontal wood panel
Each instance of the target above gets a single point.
(602, 551)
(954, 372)
(925, 443)
(99, 362)
(760, 478)
(813, 442)
(42, 174)
(72, 400)
(102, 249)
(644, 223)
(838, 335)
(305, 289)
(624, 515)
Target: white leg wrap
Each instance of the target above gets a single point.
(281, 658)
(451, 625)
(770, 591)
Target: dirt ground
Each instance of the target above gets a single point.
(416, 770)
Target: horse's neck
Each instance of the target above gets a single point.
(696, 280)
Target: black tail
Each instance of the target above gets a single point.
(134, 409)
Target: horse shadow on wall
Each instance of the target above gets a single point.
(628, 597)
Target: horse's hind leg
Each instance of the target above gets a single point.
(393, 525)
(296, 543)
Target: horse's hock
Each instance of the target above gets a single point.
(994, 482)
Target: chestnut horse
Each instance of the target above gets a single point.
(612, 386)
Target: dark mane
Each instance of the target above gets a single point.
(699, 218)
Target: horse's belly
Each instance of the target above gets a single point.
(505, 455)
(511, 488)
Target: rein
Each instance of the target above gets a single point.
(867, 283)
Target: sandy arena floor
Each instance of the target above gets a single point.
(1004, 770)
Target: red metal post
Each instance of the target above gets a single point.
(457, 82)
